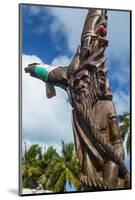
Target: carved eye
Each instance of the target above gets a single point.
(101, 73)
(76, 82)
(85, 78)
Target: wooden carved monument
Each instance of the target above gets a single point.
(96, 132)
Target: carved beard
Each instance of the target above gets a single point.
(83, 104)
(87, 98)
(91, 97)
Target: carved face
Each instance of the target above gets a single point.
(82, 82)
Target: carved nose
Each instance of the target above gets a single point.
(81, 85)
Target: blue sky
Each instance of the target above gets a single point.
(51, 35)
(38, 37)
(41, 37)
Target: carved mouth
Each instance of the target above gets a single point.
(81, 90)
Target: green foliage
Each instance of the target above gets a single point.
(54, 171)
(30, 166)
(124, 123)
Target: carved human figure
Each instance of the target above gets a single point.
(97, 170)
(95, 126)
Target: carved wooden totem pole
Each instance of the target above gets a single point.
(95, 126)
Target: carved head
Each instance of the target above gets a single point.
(82, 82)
(84, 85)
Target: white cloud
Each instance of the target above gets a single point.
(46, 121)
(119, 32)
(61, 61)
(70, 22)
(118, 51)
(122, 102)
(66, 21)
(44, 146)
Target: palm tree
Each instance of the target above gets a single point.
(124, 121)
(52, 170)
(65, 169)
(31, 169)
(49, 158)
